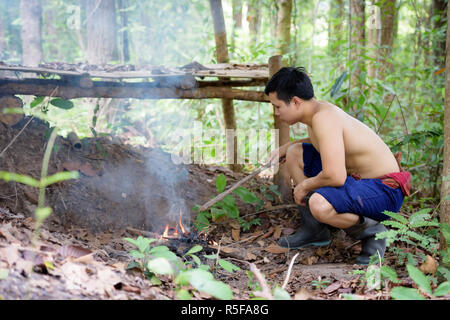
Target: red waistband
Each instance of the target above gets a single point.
(394, 180)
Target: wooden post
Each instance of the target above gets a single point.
(281, 178)
(227, 104)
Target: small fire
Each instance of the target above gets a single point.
(174, 234)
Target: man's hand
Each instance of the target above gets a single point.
(299, 194)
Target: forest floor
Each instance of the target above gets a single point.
(126, 191)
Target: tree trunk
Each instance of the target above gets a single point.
(387, 11)
(31, 16)
(237, 20)
(101, 31)
(283, 32)
(125, 47)
(284, 27)
(440, 11)
(254, 19)
(101, 49)
(445, 189)
(281, 178)
(227, 104)
(357, 43)
(373, 38)
(335, 31)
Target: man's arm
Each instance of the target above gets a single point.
(330, 137)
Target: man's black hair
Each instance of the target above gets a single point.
(289, 82)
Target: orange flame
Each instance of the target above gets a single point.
(181, 225)
(167, 230)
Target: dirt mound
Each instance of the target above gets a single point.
(119, 185)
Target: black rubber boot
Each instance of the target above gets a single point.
(310, 233)
(366, 231)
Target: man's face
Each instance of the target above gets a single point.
(286, 112)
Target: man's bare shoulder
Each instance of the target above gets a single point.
(328, 112)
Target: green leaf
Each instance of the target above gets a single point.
(137, 254)
(442, 289)
(396, 216)
(210, 256)
(43, 213)
(155, 280)
(246, 195)
(3, 274)
(183, 294)
(195, 249)
(160, 266)
(61, 103)
(390, 274)
(36, 101)
(196, 259)
(201, 221)
(419, 278)
(281, 294)
(228, 265)
(163, 252)
(133, 264)
(337, 84)
(402, 293)
(221, 183)
(203, 281)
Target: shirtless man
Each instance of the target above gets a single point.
(345, 176)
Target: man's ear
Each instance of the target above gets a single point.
(296, 101)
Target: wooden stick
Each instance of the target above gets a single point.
(102, 89)
(239, 183)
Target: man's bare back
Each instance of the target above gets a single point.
(365, 153)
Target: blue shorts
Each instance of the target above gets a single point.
(366, 197)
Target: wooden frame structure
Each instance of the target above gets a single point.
(189, 82)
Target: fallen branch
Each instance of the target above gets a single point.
(265, 293)
(142, 232)
(222, 195)
(289, 272)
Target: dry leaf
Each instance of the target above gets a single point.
(268, 205)
(261, 243)
(250, 256)
(332, 287)
(226, 240)
(234, 224)
(267, 234)
(226, 249)
(73, 251)
(277, 232)
(303, 294)
(72, 165)
(9, 254)
(86, 259)
(87, 169)
(310, 260)
(5, 232)
(429, 266)
(127, 288)
(276, 249)
(120, 265)
(266, 260)
(24, 266)
(235, 233)
(322, 251)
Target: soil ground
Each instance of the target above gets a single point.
(125, 191)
